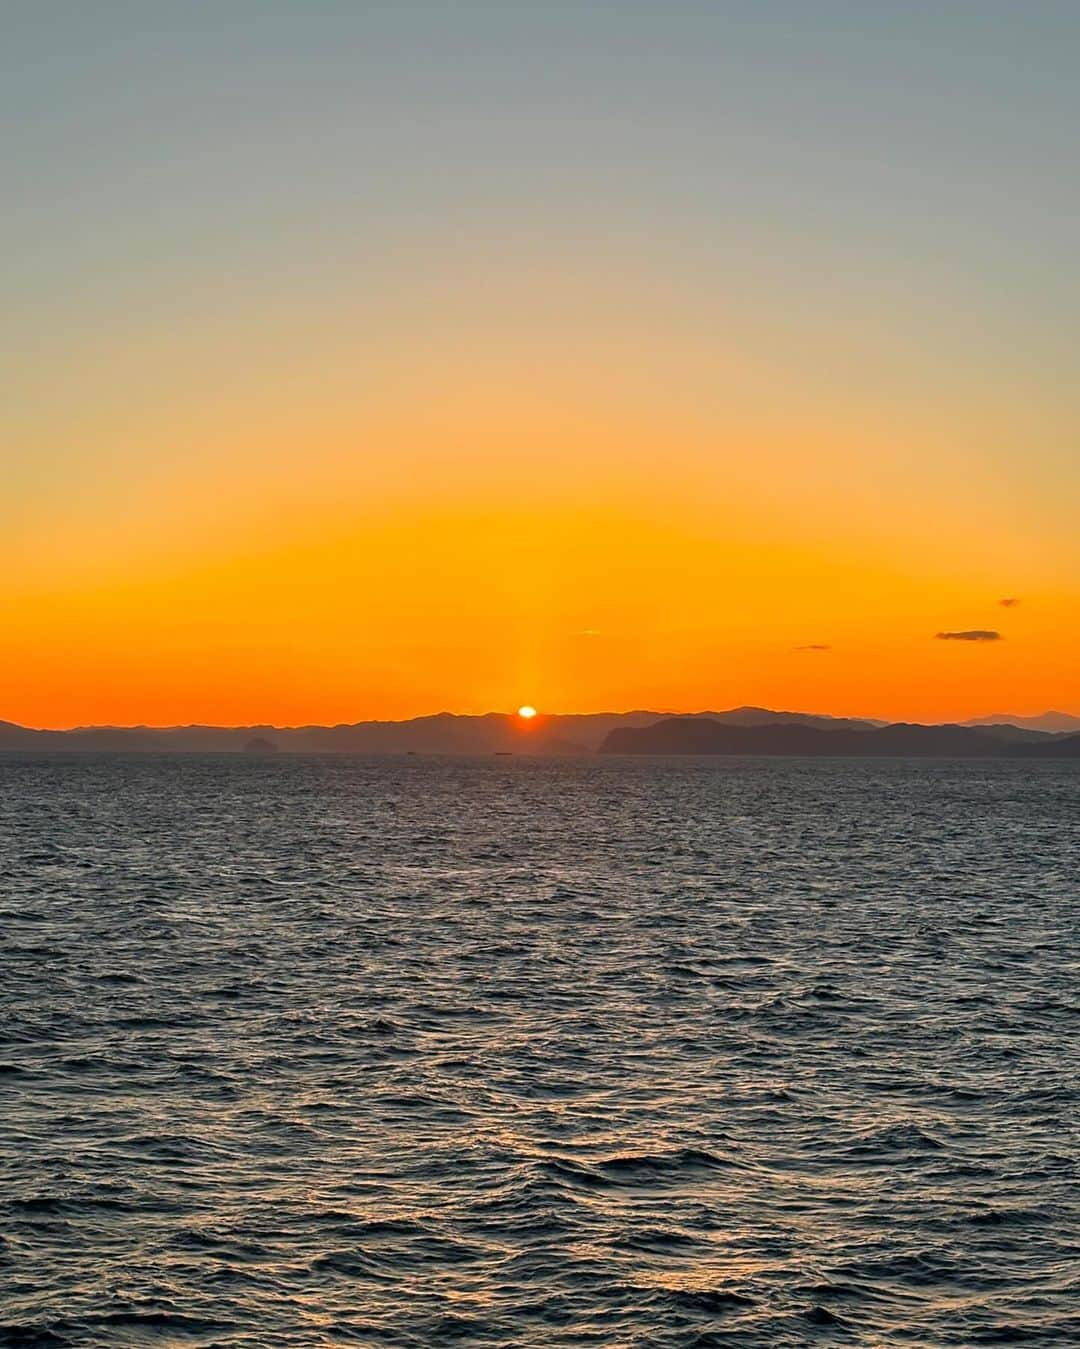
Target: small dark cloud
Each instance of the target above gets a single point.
(1010, 602)
(971, 635)
(813, 646)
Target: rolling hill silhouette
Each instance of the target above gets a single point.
(702, 735)
(1046, 721)
(740, 730)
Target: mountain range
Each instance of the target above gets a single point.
(1046, 721)
(740, 730)
(703, 735)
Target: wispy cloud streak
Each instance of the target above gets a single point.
(970, 635)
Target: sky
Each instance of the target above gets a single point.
(369, 360)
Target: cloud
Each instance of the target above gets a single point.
(1009, 603)
(813, 646)
(971, 635)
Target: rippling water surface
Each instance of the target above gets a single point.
(519, 1052)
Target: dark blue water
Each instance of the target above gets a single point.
(513, 1052)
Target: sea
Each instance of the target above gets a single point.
(538, 1052)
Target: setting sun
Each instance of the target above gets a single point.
(527, 712)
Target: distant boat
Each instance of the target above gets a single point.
(504, 754)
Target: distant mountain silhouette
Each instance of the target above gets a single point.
(260, 745)
(762, 716)
(1005, 730)
(1046, 721)
(444, 733)
(704, 735)
(749, 730)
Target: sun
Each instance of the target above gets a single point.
(527, 712)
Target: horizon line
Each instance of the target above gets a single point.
(541, 716)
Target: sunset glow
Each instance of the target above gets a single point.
(743, 427)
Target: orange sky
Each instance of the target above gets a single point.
(338, 397)
(631, 595)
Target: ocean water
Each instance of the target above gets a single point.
(316, 1051)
